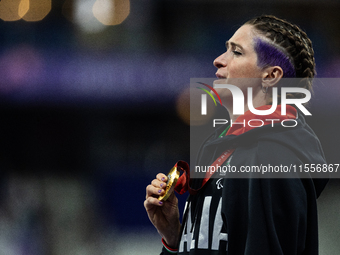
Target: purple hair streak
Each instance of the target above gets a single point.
(269, 55)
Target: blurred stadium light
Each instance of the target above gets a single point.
(111, 12)
(13, 10)
(107, 12)
(91, 16)
(37, 9)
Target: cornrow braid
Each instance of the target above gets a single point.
(293, 41)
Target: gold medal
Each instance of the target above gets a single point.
(173, 176)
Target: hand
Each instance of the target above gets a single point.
(164, 215)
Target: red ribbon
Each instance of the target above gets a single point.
(183, 183)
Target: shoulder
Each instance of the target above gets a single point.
(278, 142)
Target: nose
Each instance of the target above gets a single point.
(220, 61)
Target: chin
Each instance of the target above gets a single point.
(221, 81)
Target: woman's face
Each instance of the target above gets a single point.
(240, 59)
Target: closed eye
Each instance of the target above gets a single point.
(236, 48)
(237, 53)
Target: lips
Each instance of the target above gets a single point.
(219, 76)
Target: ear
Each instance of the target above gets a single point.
(271, 76)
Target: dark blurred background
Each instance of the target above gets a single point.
(93, 105)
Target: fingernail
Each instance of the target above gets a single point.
(160, 202)
(161, 185)
(163, 178)
(160, 191)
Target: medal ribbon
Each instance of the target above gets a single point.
(183, 184)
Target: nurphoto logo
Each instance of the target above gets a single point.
(279, 95)
(238, 99)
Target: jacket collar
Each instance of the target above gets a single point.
(242, 122)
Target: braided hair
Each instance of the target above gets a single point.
(292, 41)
